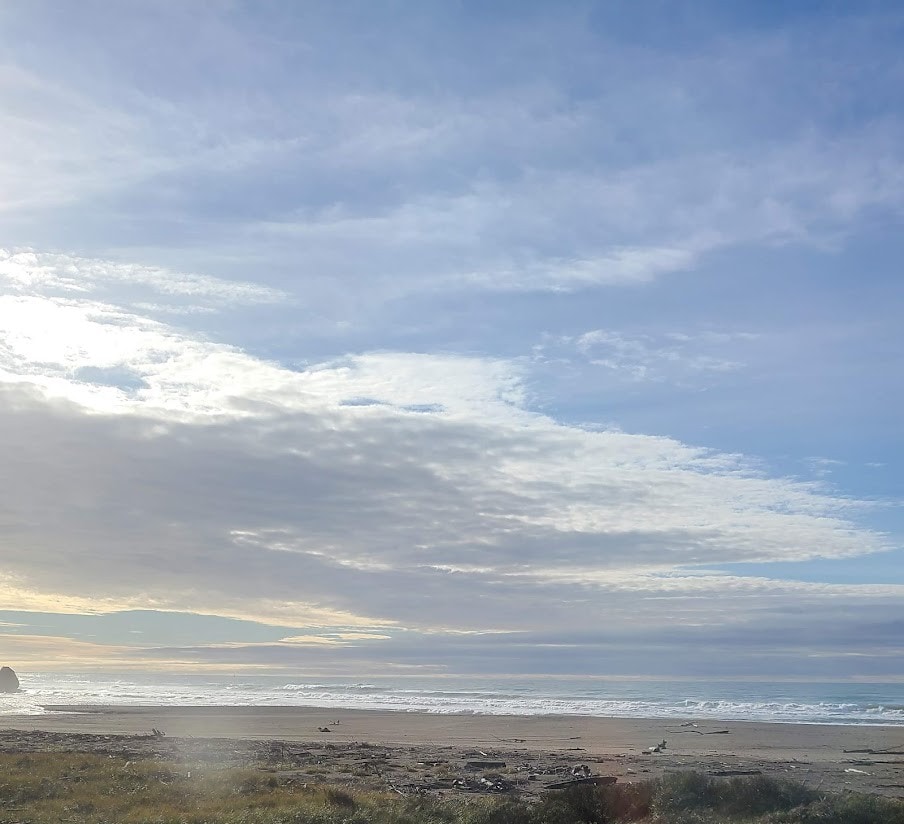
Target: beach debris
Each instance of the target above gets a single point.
(595, 780)
(9, 681)
(657, 748)
(859, 772)
(440, 769)
(496, 784)
(323, 729)
(484, 765)
(157, 733)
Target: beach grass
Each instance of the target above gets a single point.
(50, 788)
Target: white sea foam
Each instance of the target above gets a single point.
(24, 702)
(827, 704)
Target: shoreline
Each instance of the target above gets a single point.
(833, 757)
(673, 720)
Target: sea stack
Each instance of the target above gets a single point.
(8, 680)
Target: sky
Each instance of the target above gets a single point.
(452, 338)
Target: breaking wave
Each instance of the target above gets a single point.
(806, 703)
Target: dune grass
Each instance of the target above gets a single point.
(49, 788)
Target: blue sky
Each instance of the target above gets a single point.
(345, 337)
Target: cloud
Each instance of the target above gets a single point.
(808, 641)
(265, 322)
(580, 230)
(821, 467)
(81, 149)
(36, 653)
(36, 650)
(30, 273)
(642, 357)
(221, 483)
(342, 191)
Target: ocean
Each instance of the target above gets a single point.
(854, 703)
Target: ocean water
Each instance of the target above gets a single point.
(784, 702)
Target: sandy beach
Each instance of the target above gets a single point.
(415, 752)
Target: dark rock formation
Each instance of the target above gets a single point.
(8, 680)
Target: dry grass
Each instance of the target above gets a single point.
(55, 788)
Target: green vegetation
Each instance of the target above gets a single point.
(69, 787)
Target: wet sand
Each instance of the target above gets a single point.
(416, 752)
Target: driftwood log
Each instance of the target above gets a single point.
(593, 780)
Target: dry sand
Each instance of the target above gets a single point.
(412, 752)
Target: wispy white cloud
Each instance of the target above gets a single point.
(29, 272)
(303, 180)
(682, 358)
(822, 467)
(606, 227)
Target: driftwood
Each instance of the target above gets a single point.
(734, 772)
(484, 765)
(593, 780)
(690, 726)
(878, 752)
(863, 763)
